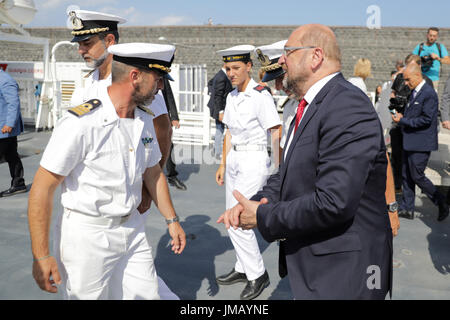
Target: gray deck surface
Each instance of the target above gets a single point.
(421, 250)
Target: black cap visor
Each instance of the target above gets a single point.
(272, 75)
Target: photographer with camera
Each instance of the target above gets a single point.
(432, 55)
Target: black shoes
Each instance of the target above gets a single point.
(173, 181)
(232, 277)
(406, 214)
(443, 210)
(255, 287)
(13, 190)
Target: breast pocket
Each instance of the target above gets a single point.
(243, 118)
(146, 159)
(107, 163)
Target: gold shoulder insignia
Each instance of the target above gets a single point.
(86, 107)
(147, 110)
(89, 74)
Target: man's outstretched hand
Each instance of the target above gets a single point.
(243, 214)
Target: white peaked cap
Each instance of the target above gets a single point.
(144, 55)
(237, 53)
(274, 50)
(86, 15)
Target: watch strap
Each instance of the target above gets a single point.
(176, 219)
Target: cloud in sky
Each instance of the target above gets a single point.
(173, 20)
(50, 3)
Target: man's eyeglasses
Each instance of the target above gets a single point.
(288, 50)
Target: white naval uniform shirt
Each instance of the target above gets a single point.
(93, 86)
(249, 114)
(103, 168)
(309, 97)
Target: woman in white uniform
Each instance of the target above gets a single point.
(249, 113)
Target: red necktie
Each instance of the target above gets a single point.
(300, 109)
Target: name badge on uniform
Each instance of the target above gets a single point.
(146, 141)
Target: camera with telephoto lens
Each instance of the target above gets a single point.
(402, 92)
(426, 62)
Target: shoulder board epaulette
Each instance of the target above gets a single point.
(150, 112)
(261, 88)
(89, 73)
(86, 107)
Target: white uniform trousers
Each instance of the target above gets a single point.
(102, 262)
(247, 172)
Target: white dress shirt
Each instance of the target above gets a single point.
(417, 89)
(309, 97)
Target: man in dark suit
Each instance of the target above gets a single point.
(326, 205)
(219, 87)
(419, 128)
(172, 173)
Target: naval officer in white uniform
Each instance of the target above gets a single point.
(101, 153)
(249, 113)
(95, 32)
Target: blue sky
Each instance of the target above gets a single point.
(412, 13)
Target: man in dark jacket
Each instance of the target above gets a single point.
(219, 87)
(419, 129)
(326, 205)
(172, 174)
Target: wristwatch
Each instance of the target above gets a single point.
(176, 219)
(392, 207)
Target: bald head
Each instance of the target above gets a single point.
(412, 75)
(313, 55)
(320, 36)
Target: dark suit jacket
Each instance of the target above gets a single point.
(220, 87)
(328, 200)
(419, 122)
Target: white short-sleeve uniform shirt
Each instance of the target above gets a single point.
(249, 114)
(102, 159)
(92, 89)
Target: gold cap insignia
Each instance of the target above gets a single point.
(265, 61)
(77, 24)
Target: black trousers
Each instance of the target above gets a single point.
(414, 165)
(170, 165)
(396, 155)
(8, 149)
